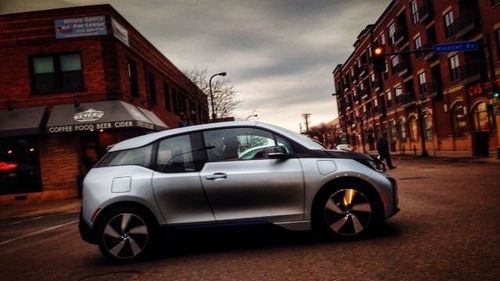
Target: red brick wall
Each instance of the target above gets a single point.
(60, 159)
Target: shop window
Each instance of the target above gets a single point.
(428, 126)
(62, 72)
(458, 117)
(402, 129)
(482, 118)
(19, 166)
(394, 130)
(413, 129)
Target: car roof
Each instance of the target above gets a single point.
(149, 138)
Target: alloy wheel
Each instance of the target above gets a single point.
(347, 212)
(125, 236)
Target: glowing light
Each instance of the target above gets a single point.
(9, 152)
(32, 149)
(378, 51)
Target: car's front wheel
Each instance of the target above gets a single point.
(126, 234)
(346, 212)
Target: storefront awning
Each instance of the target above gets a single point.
(97, 116)
(159, 125)
(21, 121)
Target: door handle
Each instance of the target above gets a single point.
(216, 176)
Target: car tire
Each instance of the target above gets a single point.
(126, 234)
(346, 211)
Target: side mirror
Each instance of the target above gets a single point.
(278, 152)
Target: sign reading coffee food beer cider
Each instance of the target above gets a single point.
(89, 122)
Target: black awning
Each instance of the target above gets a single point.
(159, 125)
(96, 116)
(21, 121)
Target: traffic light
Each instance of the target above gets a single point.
(378, 58)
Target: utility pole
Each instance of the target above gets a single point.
(306, 118)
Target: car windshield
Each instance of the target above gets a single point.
(305, 138)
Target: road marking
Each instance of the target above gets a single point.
(36, 232)
(23, 221)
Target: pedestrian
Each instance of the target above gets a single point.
(383, 150)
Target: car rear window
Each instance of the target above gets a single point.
(138, 156)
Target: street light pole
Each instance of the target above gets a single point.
(211, 94)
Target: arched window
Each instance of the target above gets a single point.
(394, 130)
(482, 119)
(413, 128)
(402, 128)
(428, 126)
(458, 119)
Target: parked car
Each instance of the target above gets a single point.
(345, 146)
(186, 177)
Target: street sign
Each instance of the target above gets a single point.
(455, 47)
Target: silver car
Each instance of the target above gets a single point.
(205, 175)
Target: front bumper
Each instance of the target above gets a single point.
(85, 231)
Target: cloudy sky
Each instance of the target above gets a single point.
(278, 54)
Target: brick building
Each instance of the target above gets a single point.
(72, 82)
(440, 102)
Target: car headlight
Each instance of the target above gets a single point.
(374, 164)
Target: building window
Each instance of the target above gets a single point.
(422, 83)
(454, 67)
(482, 118)
(414, 11)
(418, 46)
(166, 97)
(382, 38)
(62, 72)
(448, 23)
(132, 77)
(392, 30)
(458, 119)
(152, 89)
(394, 64)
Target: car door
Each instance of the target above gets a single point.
(243, 187)
(176, 181)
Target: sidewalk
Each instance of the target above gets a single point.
(24, 209)
(446, 156)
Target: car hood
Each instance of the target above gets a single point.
(349, 155)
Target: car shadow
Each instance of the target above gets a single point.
(188, 242)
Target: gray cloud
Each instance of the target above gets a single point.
(279, 54)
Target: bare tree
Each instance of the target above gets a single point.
(225, 100)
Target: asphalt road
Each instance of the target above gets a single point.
(448, 229)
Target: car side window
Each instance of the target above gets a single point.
(140, 156)
(240, 144)
(180, 154)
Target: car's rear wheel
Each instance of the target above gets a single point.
(126, 234)
(346, 212)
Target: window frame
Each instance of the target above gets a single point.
(58, 81)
